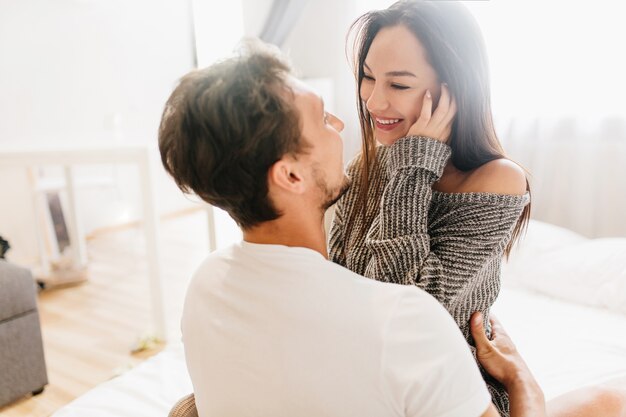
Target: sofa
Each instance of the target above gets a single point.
(22, 363)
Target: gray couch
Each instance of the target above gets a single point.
(22, 364)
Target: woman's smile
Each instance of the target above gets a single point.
(386, 124)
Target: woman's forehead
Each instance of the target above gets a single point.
(396, 48)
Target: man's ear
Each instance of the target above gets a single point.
(286, 175)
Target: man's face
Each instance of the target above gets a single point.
(320, 130)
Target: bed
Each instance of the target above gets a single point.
(563, 302)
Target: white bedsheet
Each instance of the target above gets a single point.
(566, 345)
(150, 389)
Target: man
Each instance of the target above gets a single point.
(270, 326)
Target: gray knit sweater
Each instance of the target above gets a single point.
(450, 245)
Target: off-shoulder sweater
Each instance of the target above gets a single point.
(448, 244)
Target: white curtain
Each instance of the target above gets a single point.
(577, 170)
(559, 85)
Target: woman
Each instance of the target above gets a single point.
(438, 204)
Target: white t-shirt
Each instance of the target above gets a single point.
(271, 330)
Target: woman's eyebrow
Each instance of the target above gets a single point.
(400, 74)
(394, 73)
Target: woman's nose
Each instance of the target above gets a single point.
(377, 101)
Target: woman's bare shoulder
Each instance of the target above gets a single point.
(500, 176)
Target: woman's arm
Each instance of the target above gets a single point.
(467, 233)
(398, 238)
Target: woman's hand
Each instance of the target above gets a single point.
(436, 125)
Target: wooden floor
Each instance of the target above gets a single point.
(90, 329)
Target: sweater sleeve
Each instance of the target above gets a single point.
(398, 238)
(461, 243)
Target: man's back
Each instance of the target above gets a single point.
(273, 330)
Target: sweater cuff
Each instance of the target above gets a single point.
(419, 152)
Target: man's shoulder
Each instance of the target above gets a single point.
(414, 302)
(416, 306)
(213, 263)
(320, 275)
(396, 299)
(217, 256)
(276, 261)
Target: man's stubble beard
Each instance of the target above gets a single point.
(331, 196)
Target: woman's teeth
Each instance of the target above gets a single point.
(387, 122)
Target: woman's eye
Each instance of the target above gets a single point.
(399, 86)
(368, 77)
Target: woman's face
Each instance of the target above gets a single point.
(396, 77)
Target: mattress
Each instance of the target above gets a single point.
(566, 345)
(149, 389)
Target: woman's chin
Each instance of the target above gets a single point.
(387, 139)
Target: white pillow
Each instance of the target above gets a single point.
(543, 237)
(540, 238)
(559, 263)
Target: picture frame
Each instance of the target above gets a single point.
(56, 224)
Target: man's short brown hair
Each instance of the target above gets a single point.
(224, 126)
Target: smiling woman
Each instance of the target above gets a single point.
(434, 203)
(395, 82)
(437, 205)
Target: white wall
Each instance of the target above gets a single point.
(316, 47)
(72, 69)
(255, 12)
(84, 71)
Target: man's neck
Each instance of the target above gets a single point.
(292, 231)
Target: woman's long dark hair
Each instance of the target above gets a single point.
(455, 49)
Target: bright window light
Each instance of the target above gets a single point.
(218, 28)
(551, 59)
(554, 58)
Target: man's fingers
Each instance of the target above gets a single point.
(478, 331)
(496, 326)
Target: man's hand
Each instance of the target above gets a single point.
(500, 358)
(499, 355)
